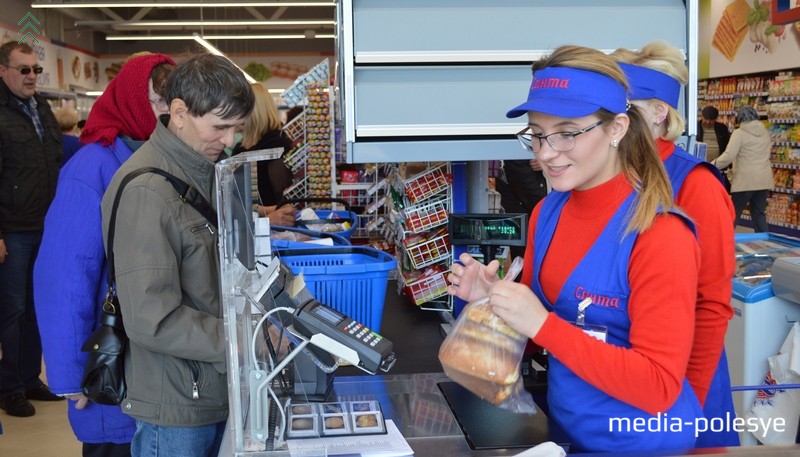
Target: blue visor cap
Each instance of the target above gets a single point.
(646, 84)
(570, 92)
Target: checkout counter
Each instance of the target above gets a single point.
(435, 416)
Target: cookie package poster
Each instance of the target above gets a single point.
(745, 36)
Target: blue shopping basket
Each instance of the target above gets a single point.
(350, 279)
(337, 240)
(327, 216)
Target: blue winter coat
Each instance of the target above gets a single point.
(70, 284)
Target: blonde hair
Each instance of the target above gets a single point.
(67, 118)
(264, 118)
(638, 156)
(661, 56)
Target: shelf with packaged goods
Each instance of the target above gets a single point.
(419, 213)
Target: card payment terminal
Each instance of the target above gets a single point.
(343, 337)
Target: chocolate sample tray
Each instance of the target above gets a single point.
(310, 420)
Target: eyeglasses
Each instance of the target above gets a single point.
(159, 103)
(559, 141)
(27, 70)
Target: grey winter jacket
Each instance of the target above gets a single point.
(749, 150)
(167, 273)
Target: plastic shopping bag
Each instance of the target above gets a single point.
(483, 354)
(773, 402)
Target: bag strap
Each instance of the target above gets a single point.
(186, 193)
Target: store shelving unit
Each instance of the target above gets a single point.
(776, 96)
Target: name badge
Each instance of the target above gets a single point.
(596, 331)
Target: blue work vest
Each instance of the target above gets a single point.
(586, 414)
(719, 401)
(680, 163)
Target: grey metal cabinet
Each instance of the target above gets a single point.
(431, 80)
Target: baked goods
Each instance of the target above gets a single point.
(334, 422)
(483, 353)
(731, 29)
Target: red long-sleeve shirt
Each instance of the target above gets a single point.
(663, 279)
(705, 200)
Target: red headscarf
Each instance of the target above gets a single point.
(124, 108)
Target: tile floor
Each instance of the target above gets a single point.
(47, 434)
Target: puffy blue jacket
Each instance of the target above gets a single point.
(70, 285)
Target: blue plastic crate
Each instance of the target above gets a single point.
(349, 279)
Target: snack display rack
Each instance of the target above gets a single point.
(418, 219)
(311, 133)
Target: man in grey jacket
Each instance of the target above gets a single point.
(167, 266)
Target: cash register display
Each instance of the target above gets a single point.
(492, 229)
(328, 314)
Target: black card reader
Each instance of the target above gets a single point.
(343, 337)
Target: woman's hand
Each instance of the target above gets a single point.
(518, 306)
(79, 399)
(283, 216)
(471, 280)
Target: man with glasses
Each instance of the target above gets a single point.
(30, 158)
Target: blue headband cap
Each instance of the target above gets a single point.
(646, 84)
(571, 92)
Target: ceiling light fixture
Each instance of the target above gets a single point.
(232, 23)
(122, 4)
(213, 50)
(214, 37)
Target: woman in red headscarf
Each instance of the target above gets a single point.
(69, 274)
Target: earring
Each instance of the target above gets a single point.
(615, 143)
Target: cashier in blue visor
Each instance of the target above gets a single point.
(656, 73)
(608, 287)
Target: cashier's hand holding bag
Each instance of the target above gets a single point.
(483, 351)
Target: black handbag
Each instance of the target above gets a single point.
(103, 379)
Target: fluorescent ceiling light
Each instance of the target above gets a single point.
(123, 4)
(152, 24)
(213, 37)
(213, 50)
(94, 93)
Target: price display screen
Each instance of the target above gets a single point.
(494, 229)
(328, 314)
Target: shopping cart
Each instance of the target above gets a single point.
(351, 279)
(326, 216)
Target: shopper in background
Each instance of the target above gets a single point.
(167, 265)
(748, 151)
(30, 156)
(714, 134)
(68, 122)
(608, 232)
(70, 272)
(522, 185)
(263, 131)
(655, 75)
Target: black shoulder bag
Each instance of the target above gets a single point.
(104, 374)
